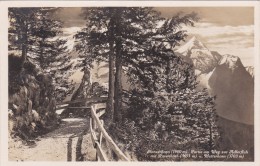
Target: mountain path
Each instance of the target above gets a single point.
(71, 141)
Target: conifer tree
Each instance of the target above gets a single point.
(49, 51)
(124, 36)
(166, 105)
(165, 100)
(35, 34)
(21, 20)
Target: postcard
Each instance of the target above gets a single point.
(131, 81)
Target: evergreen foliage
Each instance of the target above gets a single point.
(35, 36)
(125, 37)
(164, 104)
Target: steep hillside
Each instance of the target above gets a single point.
(223, 76)
(233, 85)
(31, 100)
(237, 136)
(234, 88)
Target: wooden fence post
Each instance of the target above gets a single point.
(100, 135)
(112, 145)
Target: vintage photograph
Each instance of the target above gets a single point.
(131, 83)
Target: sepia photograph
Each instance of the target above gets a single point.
(131, 83)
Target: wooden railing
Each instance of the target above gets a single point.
(96, 125)
(87, 100)
(99, 135)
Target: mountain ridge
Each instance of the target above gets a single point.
(224, 76)
(196, 52)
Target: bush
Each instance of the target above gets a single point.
(184, 119)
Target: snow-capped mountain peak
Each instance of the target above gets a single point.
(192, 44)
(202, 58)
(231, 61)
(250, 70)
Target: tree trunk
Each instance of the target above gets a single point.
(168, 88)
(118, 87)
(24, 44)
(110, 101)
(111, 81)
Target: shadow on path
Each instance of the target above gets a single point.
(77, 128)
(79, 155)
(66, 143)
(69, 149)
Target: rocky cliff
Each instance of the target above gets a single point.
(31, 100)
(233, 85)
(234, 88)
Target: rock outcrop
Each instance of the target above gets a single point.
(31, 100)
(250, 70)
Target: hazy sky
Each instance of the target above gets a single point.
(228, 30)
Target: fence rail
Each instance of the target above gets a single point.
(86, 100)
(97, 131)
(96, 123)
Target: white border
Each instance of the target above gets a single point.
(4, 72)
(126, 3)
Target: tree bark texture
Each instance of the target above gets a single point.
(111, 84)
(24, 43)
(111, 81)
(118, 86)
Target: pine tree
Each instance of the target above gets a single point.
(124, 35)
(167, 106)
(36, 34)
(49, 51)
(93, 45)
(140, 43)
(21, 20)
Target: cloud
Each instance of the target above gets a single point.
(214, 35)
(245, 54)
(235, 40)
(213, 30)
(222, 16)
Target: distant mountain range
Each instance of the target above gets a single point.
(224, 76)
(233, 85)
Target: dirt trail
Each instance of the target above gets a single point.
(70, 142)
